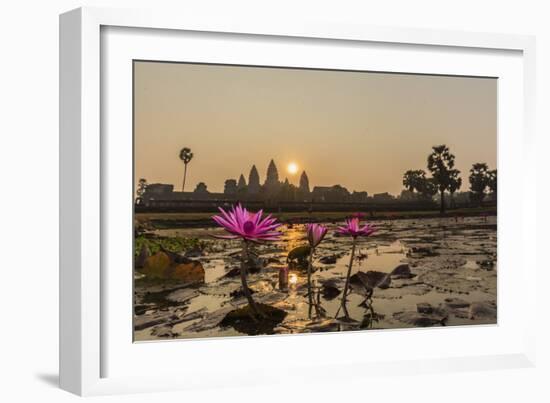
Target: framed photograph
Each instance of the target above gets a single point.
(236, 198)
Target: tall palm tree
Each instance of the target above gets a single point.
(186, 156)
(441, 163)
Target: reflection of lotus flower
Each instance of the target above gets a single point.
(352, 228)
(241, 223)
(315, 234)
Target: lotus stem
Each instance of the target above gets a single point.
(246, 290)
(309, 292)
(346, 287)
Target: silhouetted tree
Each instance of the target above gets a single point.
(454, 184)
(413, 180)
(492, 181)
(428, 188)
(141, 188)
(478, 181)
(186, 156)
(441, 163)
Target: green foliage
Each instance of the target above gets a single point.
(172, 244)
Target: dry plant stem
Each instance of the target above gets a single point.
(309, 292)
(246, 290)
(345, 294)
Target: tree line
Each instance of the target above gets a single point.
(445, 178)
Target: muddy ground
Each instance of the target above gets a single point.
(447, 275)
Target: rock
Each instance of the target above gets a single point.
(486, 264)
(188, 272)
(210, 320)
(234, 272)
(195, 252)
(163, 331)
(456, 303)
(403, 271)
(156, 265)
(370, 280)
(422, 251)
(424, 307)
(144, 321)
(483, 310)
(330, 292)
(168, 266)
(239, 293)
(299, 254)
(241, 319)
(331, 259)
(190, 316)
(143, 255)
(419, 319)
(182, 295)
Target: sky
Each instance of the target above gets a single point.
(361, 130)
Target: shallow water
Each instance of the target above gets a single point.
(449, 259)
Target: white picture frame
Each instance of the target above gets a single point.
(96, 356)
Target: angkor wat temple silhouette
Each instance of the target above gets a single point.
(273, 191)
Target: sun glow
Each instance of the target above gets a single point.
(292, 168)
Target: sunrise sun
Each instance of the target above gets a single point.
(292, 168)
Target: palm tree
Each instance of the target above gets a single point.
(441, 163)
(186, 156)
(413, 179)
(454, 184)
(479, 175)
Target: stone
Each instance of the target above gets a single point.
(163, 331)
(188, 272)
(424, 307)
(418, 319)
(156, 265)
(299, 254)
(403, 271)
(182, 295)
(370, 280)
(331, 259)
(241, 319)
(168, 266)
(483, 310)
(456, 303)
(142, 257)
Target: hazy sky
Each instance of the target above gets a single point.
(360, 130)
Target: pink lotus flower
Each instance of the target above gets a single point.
(352, 228)
(315, 234)
(241, 223)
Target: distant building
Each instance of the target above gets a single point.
(230, 187)
(159, 189)
(330, 193)
(241, 185)
(359, 197)
(304, 183)
(383, 197)
(201, 188)
(253, 181)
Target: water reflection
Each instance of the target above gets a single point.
(465, 243)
